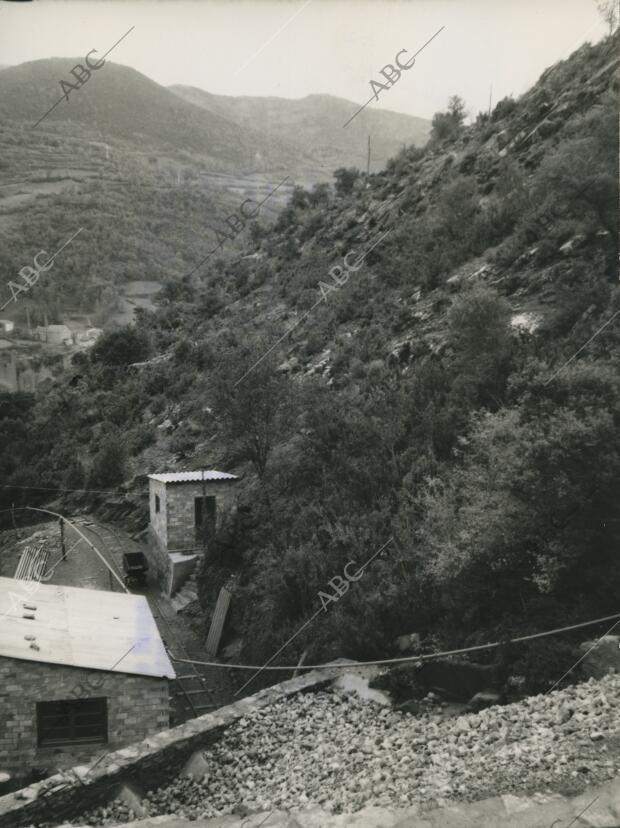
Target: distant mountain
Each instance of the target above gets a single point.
(151, 177)
(120, 102)
(315, 125)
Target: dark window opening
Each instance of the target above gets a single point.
(157, 504)
(70, 722)
(204, 518)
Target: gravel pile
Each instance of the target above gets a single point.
(343, 753)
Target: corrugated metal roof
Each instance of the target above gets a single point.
(81, 628)
(192, 476)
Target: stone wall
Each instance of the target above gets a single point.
(172, 529)
(181, 567)
(145, 764)
(158, 520)
(180, 510)
(158, 558)
(137, 707)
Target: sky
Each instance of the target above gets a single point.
(292, 49)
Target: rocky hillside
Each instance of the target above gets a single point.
(452, 398)
(150, 176)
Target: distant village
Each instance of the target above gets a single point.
(28, 357)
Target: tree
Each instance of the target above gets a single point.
(447, 125)
(249, 397)
(456, 109)
(529, 514)
(299, 198)
(121, 347)
(319, 195)
(108, 467)
(582, 175)
(608, 9)
(478, 330)
(345, 179)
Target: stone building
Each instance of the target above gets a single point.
(185, 509)
(82, 672)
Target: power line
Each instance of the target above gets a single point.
(84, 538)
(51, 489)
(406, 659)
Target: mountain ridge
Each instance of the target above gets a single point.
(315, 123)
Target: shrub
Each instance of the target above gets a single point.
(120, 348)
(109, 463)
(345, 180)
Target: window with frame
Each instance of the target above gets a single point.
(70, 722)
(157, 503)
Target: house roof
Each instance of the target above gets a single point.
(85, 628)
(192, 476)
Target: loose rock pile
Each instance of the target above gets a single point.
(343, 753)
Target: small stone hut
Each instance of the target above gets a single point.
(185, 510)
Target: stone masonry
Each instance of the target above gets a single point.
(138, 706)
(174, 523)
(143, 764)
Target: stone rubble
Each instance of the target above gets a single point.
(342, 753)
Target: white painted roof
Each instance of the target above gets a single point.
(81, 628)
(192, 476)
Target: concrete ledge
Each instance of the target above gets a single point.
(143, 764)
(536, 811)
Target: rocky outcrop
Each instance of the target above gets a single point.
(601, 656)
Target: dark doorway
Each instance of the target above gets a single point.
(204, 518)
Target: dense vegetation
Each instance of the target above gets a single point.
(405, 405)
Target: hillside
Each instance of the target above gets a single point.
(314, 124)
(150, 178)
(119, 102)
(453, 400)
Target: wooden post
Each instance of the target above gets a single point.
(62, 539)
(299, 663)
(13, 518)
(368, 159)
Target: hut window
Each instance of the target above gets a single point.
(72, 722)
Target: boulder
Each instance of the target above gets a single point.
(603, 656)
(412, 706)
(411, 643)
(482, 700)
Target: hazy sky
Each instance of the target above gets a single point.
(292, 49)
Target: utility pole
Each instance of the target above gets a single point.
(368, 159)
(204, 516)
(490, 98)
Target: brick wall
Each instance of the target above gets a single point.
(180, 513)
(146, 764)
(158, 558)
(158, 519)
(137, 707)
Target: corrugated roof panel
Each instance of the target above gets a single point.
(81, 628)
(192, 476)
